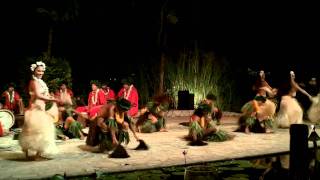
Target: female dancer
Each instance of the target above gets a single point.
(258, 114)
(314, 110)
(38, 131)
(290, 111)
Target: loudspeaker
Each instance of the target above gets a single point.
(183, 97)
(185, 100)
(191, 102)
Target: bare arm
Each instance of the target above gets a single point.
(202, 122)
(133, 131)
(101, 124)
(267, 85)
(268, 90)
(296, 86)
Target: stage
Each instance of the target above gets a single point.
(166, 149)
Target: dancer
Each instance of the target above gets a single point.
(202, 128)
(151, 117)
(38, 131)
(66, 103)
(258, 114)
(216, 113)
(290, 111)
(314, 110)
(68, 127)
(111, 126)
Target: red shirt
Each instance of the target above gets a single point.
(131, 95)
(96, 98)
(109, 94)
(11, 100)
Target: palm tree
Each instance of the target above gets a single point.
(166, 17)
(57, 17)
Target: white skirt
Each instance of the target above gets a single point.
(38, 132)
(289, 113)
(314, 110)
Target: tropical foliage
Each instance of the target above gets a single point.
(200, 74)
(57, 70)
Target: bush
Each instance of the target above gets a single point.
(57, 70)
(201, 74)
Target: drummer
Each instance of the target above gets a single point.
(12, 100)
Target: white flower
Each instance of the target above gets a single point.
(38, 63)
(33, 67)
(292, 74)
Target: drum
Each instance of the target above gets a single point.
(7, 119)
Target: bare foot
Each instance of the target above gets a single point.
(269, 131)
(194, 138)
(96, 149)
(163, 130)
(30, 158)
(40, 158)
(232, 136)
(82, 137)
(247, 131)
(115, 142)
(64, 137)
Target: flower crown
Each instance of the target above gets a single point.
(38, 63)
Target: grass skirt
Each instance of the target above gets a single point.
(38, 132)
(218, 136)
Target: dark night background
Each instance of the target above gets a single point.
(275, 37)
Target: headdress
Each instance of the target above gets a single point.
(202, 109)
(105, 83)
(11, 84)
(260, 98)
(38, 63)
(123, 104)
(206, 108)
(292, 73)
(211, 96)
(96, 82)
(128, 80)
